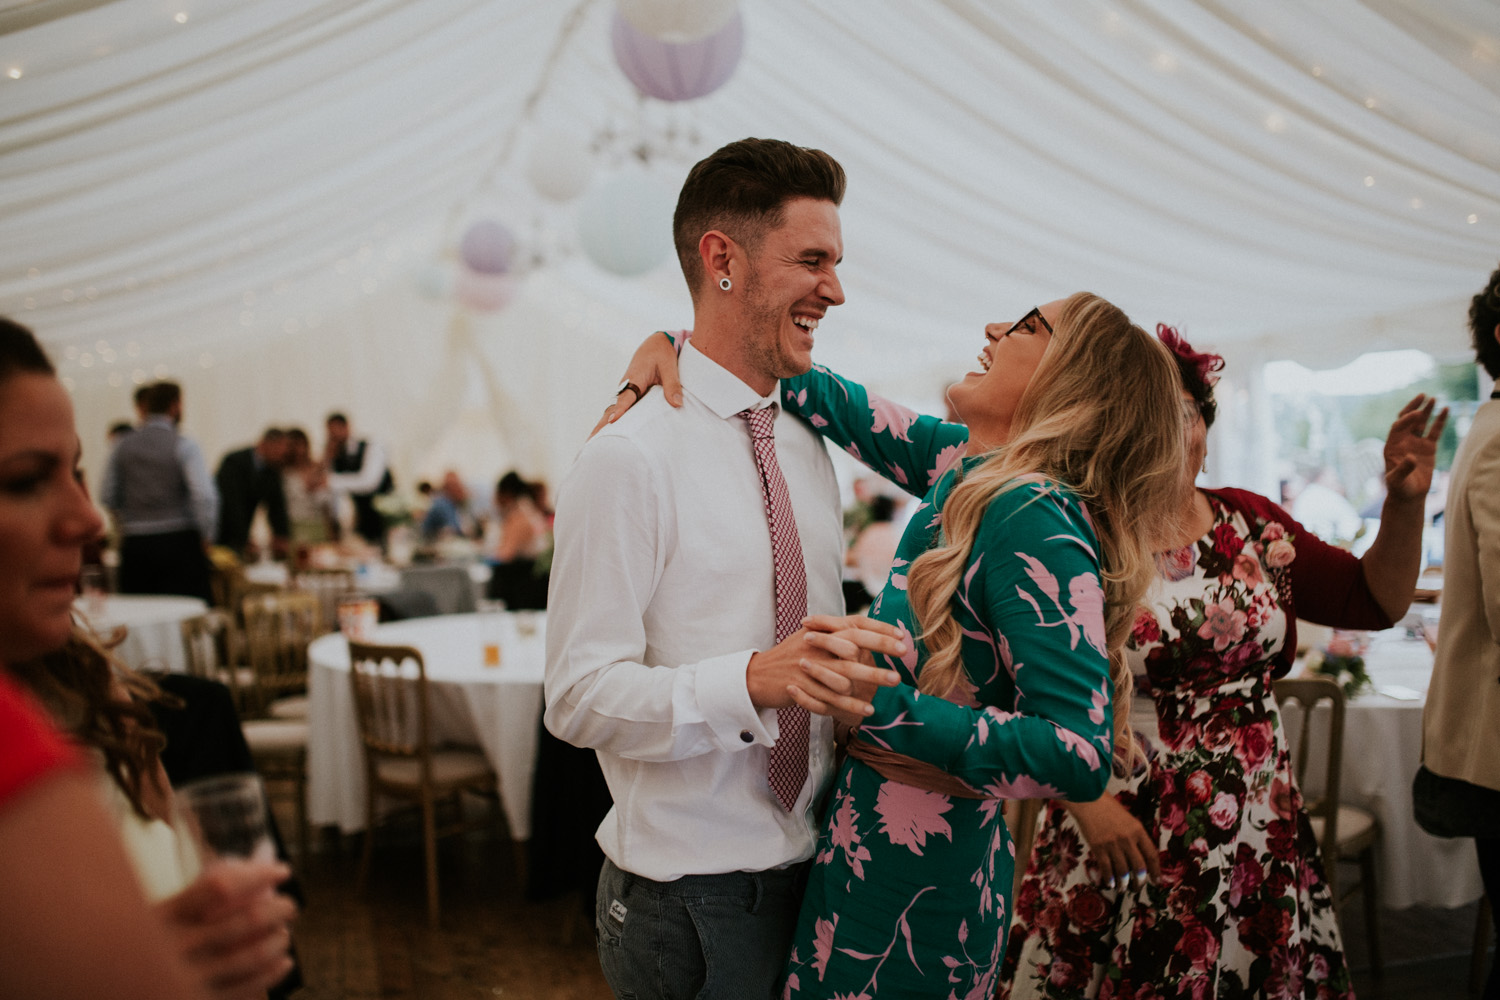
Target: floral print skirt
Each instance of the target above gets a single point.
(1243, 907)
(907, 895)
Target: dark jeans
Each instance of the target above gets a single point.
(172, 562)
(719, 937)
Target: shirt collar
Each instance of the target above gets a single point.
(716, 387)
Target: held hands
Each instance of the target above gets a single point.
(231, 927)
(1411, 448)
(1121, 847)
(826, 667)
(653, 363)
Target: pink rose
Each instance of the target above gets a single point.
(1199, 945)
(1246, 570)
(1200, 787)
(1225, 811)
(1145, 630)
(1280, 553)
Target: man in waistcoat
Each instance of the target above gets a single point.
(164, 503)
(358, 468)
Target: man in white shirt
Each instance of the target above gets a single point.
(662, 613)
(358, 468)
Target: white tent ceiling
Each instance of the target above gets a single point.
(252, 195)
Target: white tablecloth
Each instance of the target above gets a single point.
(499, 708)
(153, 638)
(1382, 748)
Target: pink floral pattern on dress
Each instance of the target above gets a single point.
(908, 894)
(1243, 908)
(908, 815)
(891, 418)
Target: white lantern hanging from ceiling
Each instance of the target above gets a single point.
(625, 223)
(560, 166)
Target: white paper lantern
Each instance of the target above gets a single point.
(625, 223)
(678, 21)
(560, 166)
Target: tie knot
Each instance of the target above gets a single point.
(760, 421)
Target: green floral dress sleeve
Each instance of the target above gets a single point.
(910, 450)
(1030, 717)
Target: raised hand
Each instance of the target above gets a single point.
(1411, 449)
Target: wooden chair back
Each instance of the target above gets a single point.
(1300, 699)
(209, 645)
(278, 626)
(329, 586)
(391, 700)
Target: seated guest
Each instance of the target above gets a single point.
(311, 513)
(165, 505)
(524, 536)
(449, 515)
(246, 479)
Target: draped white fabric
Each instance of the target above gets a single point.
(252, 195)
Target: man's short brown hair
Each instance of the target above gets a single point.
(740, 189)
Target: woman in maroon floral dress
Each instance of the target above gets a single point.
(1198, 875)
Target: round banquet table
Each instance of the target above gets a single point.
(153, 633)
(1382, 748)
(495, 708)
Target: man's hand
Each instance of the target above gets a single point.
(826, 672)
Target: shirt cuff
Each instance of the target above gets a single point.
(725, 703)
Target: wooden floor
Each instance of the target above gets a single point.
(494, 943)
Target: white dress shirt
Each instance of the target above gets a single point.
(662, 587)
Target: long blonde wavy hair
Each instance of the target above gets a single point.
(1101, 417)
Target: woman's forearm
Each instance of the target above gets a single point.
(1394, 559)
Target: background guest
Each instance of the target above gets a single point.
(449, 516)
(310, 507)
(1457, 792)
(524, 536)
(246, 479)
(357, 467)
(872, 552)
(164, 503)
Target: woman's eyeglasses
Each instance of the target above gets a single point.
(1028, 323)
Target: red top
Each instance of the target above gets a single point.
(30, 747)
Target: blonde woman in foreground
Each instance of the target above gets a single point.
(1018, 574)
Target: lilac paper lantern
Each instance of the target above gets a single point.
(487, 247)
(672, 71)
(484, 292)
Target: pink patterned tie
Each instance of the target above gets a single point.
(788, 770)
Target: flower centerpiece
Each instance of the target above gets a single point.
(1342, 660)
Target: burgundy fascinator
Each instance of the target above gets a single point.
(1206, 366)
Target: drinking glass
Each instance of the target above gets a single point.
(224, 817)
(491, 623)
(94, 584)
